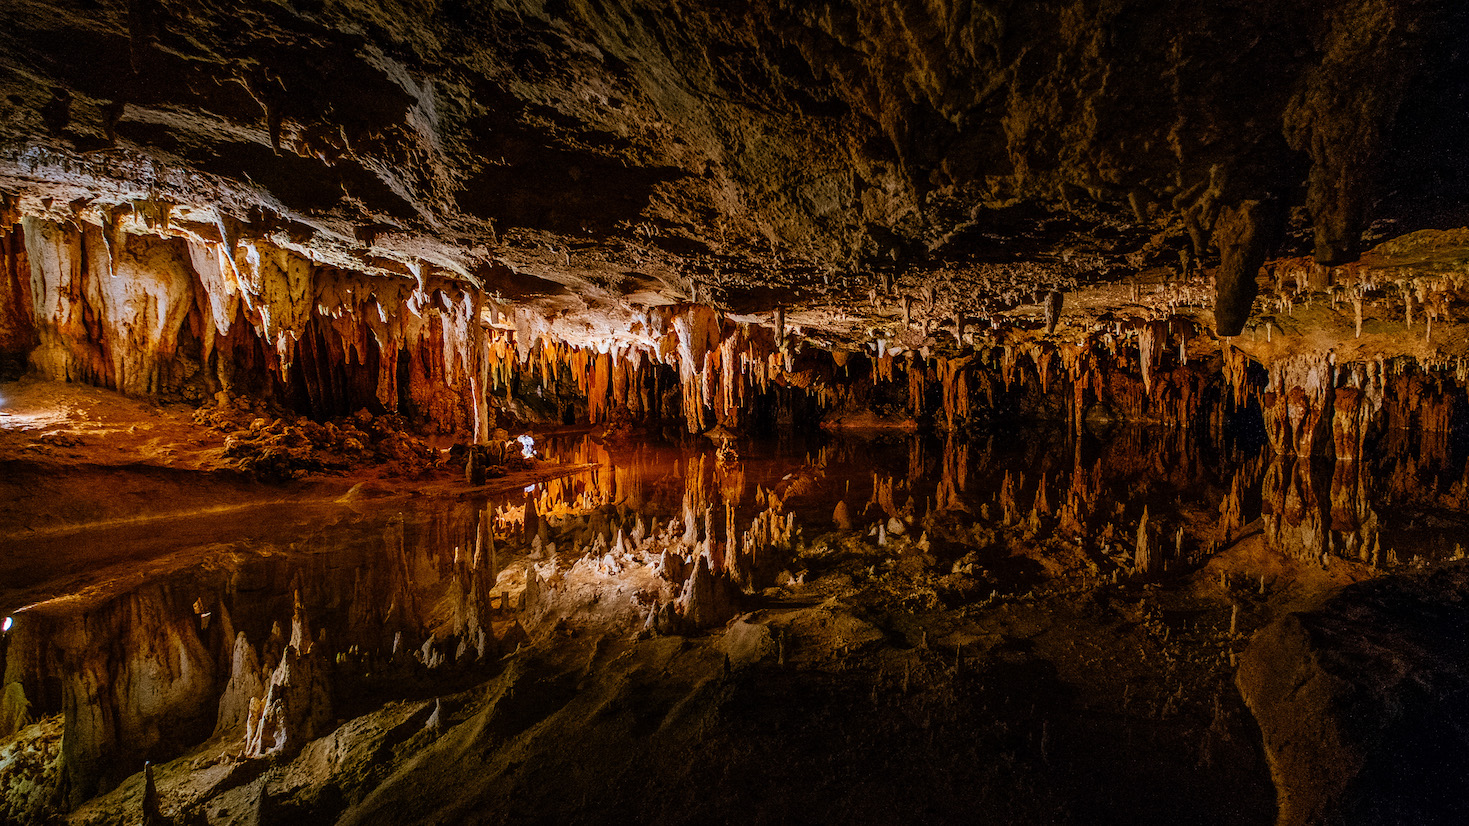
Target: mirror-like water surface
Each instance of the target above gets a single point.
(269, 626)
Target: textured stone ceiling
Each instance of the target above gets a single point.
(752, 153)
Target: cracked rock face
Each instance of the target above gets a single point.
(629, 150)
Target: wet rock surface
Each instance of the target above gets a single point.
(1361, 701)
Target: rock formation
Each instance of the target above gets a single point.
(139, 682)
(1358, 702)
(497, 345)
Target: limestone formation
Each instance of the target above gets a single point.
(514, 350)
(1147, 556)
(246, 687)
(842, 517)
(297, 705)
(1355, 705)
(138, 682)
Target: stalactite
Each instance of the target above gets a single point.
(256, 315)
(1295, 404)
(1053, 302)
(112, 305)
(1150, 340)
(952, 377)
(917, 384)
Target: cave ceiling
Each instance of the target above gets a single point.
(587, 157)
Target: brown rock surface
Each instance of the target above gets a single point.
(685, 149)
(1361, 702)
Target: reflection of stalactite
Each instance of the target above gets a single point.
(137, 681)
(1147, 553)
(882, 496)
(1294, 511)
(954, 475)
(1353, 519)
(297, 706)
(1304, 521)
(1009, 509)
(1241, 503)
(917, 458)
(1083, 495)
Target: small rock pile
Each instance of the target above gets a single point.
(278, 446)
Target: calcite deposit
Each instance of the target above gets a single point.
(683, 412)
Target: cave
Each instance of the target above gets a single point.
(529, 411)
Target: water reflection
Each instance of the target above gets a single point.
(271, 626)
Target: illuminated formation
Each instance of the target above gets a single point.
(880, 412)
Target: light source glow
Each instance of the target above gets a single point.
(6, 623)
(527, 446)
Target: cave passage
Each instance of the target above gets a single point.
(854, 412)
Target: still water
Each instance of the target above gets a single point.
(133, 630)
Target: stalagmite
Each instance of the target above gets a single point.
(152, 806)
(297, 707)
(708, 599)
(487, 342)
(841, 517)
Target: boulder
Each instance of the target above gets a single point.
(1363, 702)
